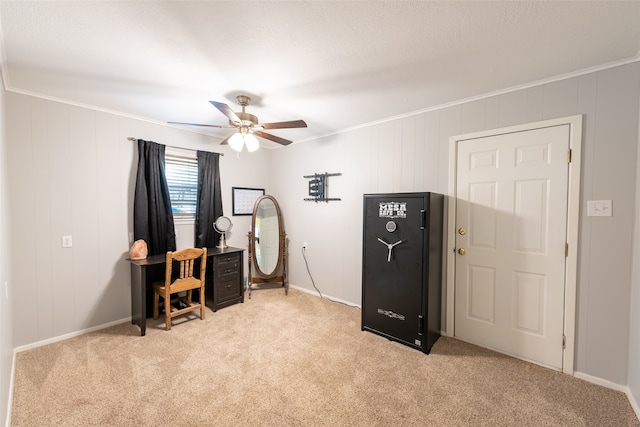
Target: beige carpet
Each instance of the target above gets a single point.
(293, 360)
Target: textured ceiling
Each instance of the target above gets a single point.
(336, 65)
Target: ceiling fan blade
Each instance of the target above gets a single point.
(227, 111)
(226, 140)
(272, 137)
(198, 124)
(284, 125)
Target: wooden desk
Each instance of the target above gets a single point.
(222, 288)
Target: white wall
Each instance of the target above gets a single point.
(6, 320)
(72, 172)
(411, 154)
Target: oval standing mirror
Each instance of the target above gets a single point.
(266, 227)
(266, 244)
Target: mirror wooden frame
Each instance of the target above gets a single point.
(255, 274)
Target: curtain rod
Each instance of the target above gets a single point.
(172, 146)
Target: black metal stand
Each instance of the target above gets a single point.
(318, 187)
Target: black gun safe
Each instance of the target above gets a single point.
(402, 267)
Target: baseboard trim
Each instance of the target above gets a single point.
(330, 298)
(608, 384)
(600, 381)
(67, 336)
(11, 382)
(633, 402)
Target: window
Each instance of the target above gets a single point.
(182, 178)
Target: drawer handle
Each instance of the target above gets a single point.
(228, 286)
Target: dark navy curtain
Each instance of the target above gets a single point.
(209, 205)
(152, 215)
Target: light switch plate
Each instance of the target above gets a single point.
(67, 241)
(599, 208)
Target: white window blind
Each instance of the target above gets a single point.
(182, 179)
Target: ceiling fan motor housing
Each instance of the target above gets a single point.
(246, 118)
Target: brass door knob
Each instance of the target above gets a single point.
(462, 251)
(462, 231)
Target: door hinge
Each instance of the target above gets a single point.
(566, 249)
(569, 156)
(564, 342)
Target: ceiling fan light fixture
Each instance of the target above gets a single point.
(236, 141)
(251, 142)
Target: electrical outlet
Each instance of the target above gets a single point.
(304, 245)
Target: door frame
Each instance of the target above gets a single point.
(573, 220)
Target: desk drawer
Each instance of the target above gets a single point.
(227, 290)
(229, 272)
(224, 262)
(227, 267)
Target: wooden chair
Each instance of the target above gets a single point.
(184, 281)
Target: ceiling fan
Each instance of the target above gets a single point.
(248, 126)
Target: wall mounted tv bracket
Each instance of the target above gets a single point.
(318, 187)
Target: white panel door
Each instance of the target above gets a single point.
(511, 231)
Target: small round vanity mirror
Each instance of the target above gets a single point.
(222, 225)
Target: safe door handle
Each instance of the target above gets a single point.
(389, 246)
